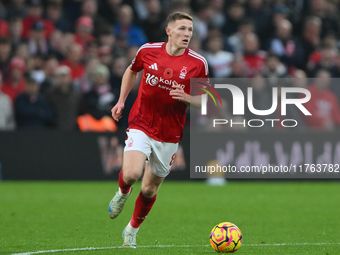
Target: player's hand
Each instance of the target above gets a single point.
(117, 111)
(178, 93)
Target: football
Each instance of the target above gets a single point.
(225, 237)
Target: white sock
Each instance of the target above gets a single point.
(120, 191)
(131, 229)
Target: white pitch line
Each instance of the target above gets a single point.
(106, 248)
(290, 244)
(168, 246)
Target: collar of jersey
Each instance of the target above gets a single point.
(184, 54)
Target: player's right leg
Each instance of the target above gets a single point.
(133, 165)
(143, 205)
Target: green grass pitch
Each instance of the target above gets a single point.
(274, 217)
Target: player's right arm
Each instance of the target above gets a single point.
(129, 79)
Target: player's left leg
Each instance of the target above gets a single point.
(158, 167)
(143, 205)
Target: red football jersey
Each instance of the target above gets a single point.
(155, 112)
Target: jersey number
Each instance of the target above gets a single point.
(172, 159)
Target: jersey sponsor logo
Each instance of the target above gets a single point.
(168, 73)
(183, 72)
(154, 66)
(153, 80)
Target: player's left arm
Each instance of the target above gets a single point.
(179, 94)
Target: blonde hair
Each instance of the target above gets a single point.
(178, 16)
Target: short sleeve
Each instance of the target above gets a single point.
(203, 72)
(202, 80)
(137, 62)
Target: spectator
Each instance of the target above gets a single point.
(110, 10)
(254, 57)
(238, 69)
(140, 10)
(31, 109)
(234, 18)
(336, 87)
(279, 14)
(105, 55)
(310, 40)
(299, 79)
(132, 51)
(16, 8)
(6, 111)
(89, 8)
(3, 28)
(202, 20)
(49, 67)
(87, 80)
(15, 31)
(67, 41)
(236, 41)
(64, 100)
(323, 105)
(125, 27)
(73, 61)
(99, 100)
(256, 11)
(298, 73)
(196, 44)
(183, 6)
(83, 35)
(5, 55)
(3, 11)
(325, 59)
(218, 19)
(36, 68)
(97, 104)
(92, 51)
(153, 24)
(72, 10)
(285, 46)
(22, 52)
(329, 22)
(57, 42)
(107, 38)
(118, 68)
(54, 13)
(35, 11)
(15, 83)
(330, 42)
(274, 70)
(37, 43)
(121, 45)
(218, 59)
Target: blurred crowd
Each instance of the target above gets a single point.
(61, 62)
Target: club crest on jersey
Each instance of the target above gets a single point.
(130, 142)
(183, 72)
(168, 73)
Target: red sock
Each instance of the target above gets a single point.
(143, 206)
(124, 188)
